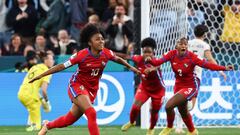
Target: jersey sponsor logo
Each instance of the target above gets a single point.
(82, 87)
(103, 63)
(174, 63)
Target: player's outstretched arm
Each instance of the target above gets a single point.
(123, 55)
(208, 55)
(52, 70)
(211, 66)
(123, 62)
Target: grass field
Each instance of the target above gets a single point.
(111, 130)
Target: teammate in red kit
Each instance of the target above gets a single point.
(83, 85)
(151, 86)
(186, 84)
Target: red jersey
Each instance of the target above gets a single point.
(90, 68)
(151, 82)
(183, 67)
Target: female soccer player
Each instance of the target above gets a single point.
(186, 84)
(151, 86)
(83, 85)
(29, 92)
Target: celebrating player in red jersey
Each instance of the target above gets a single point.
(186, 84)
(151, 86)
(83, 85)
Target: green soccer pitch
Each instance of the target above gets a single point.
(110, 130)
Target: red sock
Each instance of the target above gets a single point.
(92, 121)
(153, 120)
(62, 121)
(188, 122)
(134, 113)
(170, 119)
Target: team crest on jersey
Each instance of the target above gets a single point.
(186, 65)
(81, 87)
(103, 63)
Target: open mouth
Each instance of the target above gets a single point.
(183, 50)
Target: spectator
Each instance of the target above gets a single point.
(120, 30)
(78, 17)
(57, 19)
(231, 27)
(44, 7)
(16, 46)
(41, 44)
(109, 11)
(195, 17)
(5, 35)
(23, 20)
(65, 45)
(94, 19)
(27, 49)
(98, 6)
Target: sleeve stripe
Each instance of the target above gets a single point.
(67, 64)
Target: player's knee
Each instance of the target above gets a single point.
(136, 107)
(168, 107)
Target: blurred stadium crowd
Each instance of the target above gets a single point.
(30, 26)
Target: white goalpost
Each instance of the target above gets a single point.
(168, 20)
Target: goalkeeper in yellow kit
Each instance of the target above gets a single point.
(29, 94)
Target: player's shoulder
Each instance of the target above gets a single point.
(172, 52)
(80, 54)
(137, 58)
(107, 51)
(191, 54)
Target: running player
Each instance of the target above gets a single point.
(151, 86)
(203, 50)
(83, 85)
(186, 86)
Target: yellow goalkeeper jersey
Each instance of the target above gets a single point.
(34, 88)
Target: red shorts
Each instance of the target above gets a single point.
(75, 90)
(156, 96)
(188, 92)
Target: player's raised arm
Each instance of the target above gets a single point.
(211, 66)
(52, 70)
(124, 62)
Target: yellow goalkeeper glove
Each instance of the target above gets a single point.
(46, 105)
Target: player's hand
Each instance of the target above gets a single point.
(135, 70)
(229, 67)
(223, 75)
(147, 59)
(34, 79)
(46, 105)
(150, 69)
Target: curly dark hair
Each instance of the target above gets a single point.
(149, 42)
(87, 32)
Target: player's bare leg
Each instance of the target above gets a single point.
(176, 100)
(186, 116)
(68, 119)
(44, 129)
(133, 114)
(85, 105)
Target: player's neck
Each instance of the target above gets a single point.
(200, 38)
(95, 53)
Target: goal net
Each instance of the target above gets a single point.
(218, 102)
